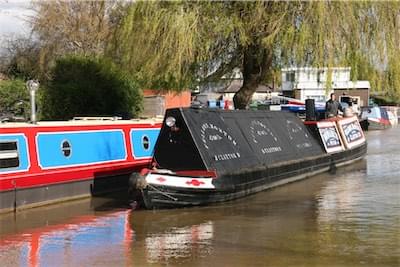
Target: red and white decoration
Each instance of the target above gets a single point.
(179, 181)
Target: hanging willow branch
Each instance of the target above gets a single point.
(167, 44)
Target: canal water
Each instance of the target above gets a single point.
(350, 218)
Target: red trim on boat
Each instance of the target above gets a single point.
(49, 177)
(35, 176)
(195, 182)
(197, 173)
(310, 122)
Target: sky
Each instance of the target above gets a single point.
(13, 16)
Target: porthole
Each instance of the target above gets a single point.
(66, 148)
(145, 142)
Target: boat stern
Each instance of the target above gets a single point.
(165, 189)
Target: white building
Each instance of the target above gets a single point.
(304, 83)
(262, 92)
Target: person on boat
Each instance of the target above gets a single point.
(332, 107)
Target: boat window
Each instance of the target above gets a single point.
(9, 157)
(145, 142)
(66, 148)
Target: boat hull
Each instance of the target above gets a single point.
(378, 125)
(51, 162)
(205, 156)
(159, 196)
(24, 198)
(375, 118)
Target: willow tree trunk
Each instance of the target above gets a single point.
(257, 61)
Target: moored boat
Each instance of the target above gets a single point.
(203, 156)
(375, 118)
(55, 161)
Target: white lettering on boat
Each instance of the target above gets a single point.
(215, 137)
(212, 133)
(258, 129)
(226, 156)
(268, 150)
(303, 145)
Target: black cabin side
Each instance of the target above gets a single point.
(225, 141)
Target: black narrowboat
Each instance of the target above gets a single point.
(204, 156)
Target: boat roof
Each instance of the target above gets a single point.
(81, 122)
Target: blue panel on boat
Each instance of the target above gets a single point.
(64, 149)
(143, 142)
(22, 148)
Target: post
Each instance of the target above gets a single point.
(32, 86)
(310, 110)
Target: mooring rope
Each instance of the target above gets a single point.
(162, 193)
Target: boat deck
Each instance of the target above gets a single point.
(80, 122)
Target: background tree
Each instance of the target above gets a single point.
(83, 86)
(14, 98)
(70, 27)
(21, 59)
(174, 44)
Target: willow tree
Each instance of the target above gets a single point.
(173, 44)
(70, 27)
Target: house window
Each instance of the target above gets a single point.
(320, 74)
(290, 76)
(9, 157)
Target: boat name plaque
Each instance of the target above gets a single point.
(352, 131)
(330, 136)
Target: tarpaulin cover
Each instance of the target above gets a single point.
(228, 141)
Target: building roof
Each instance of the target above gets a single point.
(306, 69)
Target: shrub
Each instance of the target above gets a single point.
(83, 86)
(14, 98)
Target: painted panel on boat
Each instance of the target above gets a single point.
(260, 134)
(65, 149)
(262, 141)
(351, 132)
(291, 128)
(143, 142)
(330, 136)
(222, 147)
(274, 136)
(22, 150)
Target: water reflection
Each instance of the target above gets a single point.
(76, 243)
(359, 212)
(179, 242)
(340, 198)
